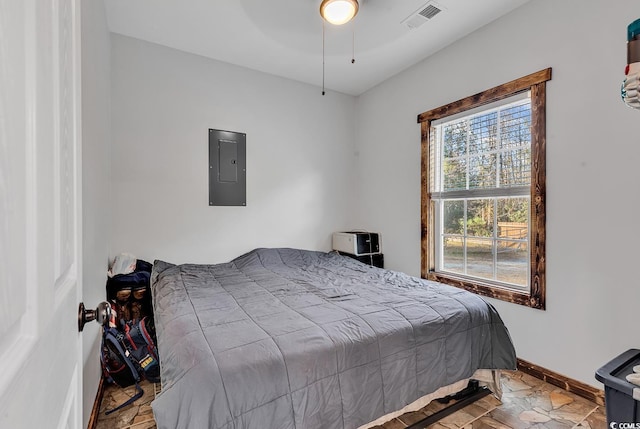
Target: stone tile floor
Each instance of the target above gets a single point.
(136, 416)
(527, 402)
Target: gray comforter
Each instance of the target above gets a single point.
(285, 338)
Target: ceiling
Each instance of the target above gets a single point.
(284, 37)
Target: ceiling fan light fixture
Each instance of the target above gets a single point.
(338, 12)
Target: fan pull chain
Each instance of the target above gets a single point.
(353, 51)
(323, 57)
(353, 44)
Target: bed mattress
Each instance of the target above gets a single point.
(287, 338)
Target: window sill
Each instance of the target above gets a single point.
(488, 290)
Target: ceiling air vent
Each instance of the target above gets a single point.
(422, 15)
(430, 11)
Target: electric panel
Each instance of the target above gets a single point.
(227, 168)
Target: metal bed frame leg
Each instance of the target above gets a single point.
(467, 396)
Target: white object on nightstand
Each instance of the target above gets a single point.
(357, 242)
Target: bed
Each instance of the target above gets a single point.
(288, 338)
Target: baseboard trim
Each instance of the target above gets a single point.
(574, 386)
(95, 411)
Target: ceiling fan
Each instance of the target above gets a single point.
(337, 12)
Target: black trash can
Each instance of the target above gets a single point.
(621, 397)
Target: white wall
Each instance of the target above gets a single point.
(592, 174)
(96, 207)
(301, 153)
(299, 157)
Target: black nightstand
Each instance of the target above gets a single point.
(375, 259)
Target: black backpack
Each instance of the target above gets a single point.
(141, 344)
(130, 292)
(129, 355)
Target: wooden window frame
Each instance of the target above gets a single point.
(535, 298)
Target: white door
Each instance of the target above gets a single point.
(40, 242)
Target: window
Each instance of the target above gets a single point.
(483, 192)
